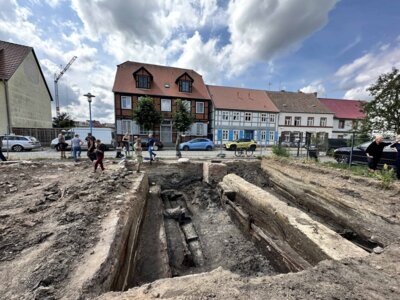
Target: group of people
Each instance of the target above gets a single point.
(375, 149)
(95, 150)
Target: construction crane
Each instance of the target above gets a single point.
(56, 79)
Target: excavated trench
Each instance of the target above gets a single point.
(189, 226)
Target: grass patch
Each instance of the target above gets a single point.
(386, 176)
(280, 151)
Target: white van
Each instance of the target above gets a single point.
(106, 135)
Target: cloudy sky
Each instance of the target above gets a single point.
(334, 47)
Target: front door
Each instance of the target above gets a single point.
(249, 134)
(166, 131)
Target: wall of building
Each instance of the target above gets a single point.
(3, 110)
(30, 103)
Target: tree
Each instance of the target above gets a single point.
(146, 114)
(64, 120)
(182, 120)
(383, 112)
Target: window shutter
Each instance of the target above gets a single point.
(119, 127)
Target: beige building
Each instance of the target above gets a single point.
(25, 99)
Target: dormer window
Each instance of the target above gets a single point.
(143, 78)
(185, 86)
(143, 82)
(185, 83)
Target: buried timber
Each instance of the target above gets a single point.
(232, 227)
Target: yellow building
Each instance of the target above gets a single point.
(25, 99)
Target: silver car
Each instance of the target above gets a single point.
(19, 143)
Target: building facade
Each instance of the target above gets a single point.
(164, 85)
(301, 113)
(347, 116)
(242, 113)
(25, 99)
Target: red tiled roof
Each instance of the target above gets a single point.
(11, 56)
(162, 76)
(344, 109)
(240, 99)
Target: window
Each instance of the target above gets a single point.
(143, 82)
(185, 86)
(165, 104)
(199, 107)
(263, 117)
(126, 126)
(143, 131)
(187, 105)
(271, 136)
(235, 116)
(288, 120)
(199, 129)
(340, 136)
(225, 115)
(297, 121)
(126, 102)
(322, 122)
(272, 118)
(247, 117)
(235, 134)
(263, 135)
(341, 124)
(310, 121)
(224, 134)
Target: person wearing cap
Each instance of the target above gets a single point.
(396, 145)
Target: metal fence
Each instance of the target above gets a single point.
(44, 135)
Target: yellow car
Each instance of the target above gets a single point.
(241, 144)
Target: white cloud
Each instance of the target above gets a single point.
(314, 87)
(358, 75)
(261, 30)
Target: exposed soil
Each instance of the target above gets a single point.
(50, 215)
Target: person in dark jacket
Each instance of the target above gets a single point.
(91, 144)
(396, 145)
(100, 148)
(2, 157)
(374, 152)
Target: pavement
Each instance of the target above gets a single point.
(51, 154)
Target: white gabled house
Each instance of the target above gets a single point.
(301, 113)
(242, 113)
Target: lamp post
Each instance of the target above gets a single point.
(90, 96)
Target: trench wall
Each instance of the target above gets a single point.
(114, 270)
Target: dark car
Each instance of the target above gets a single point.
(359, 156)
(158, 145)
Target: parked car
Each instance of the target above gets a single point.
(241, 144)
(197, 144)
(359, 156)
(19, 143)
(158, 145)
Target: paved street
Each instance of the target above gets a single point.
(48, 153)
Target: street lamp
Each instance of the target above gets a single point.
(90, 96)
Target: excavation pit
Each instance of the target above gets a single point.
(69, 235)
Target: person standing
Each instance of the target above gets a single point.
(374, 152)
(138, 152)
(91, 147)
(2, 157)
(151, 147)
(125, 142)
(100, 148)
(61, 143)
(396, 145)
(76, 144)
